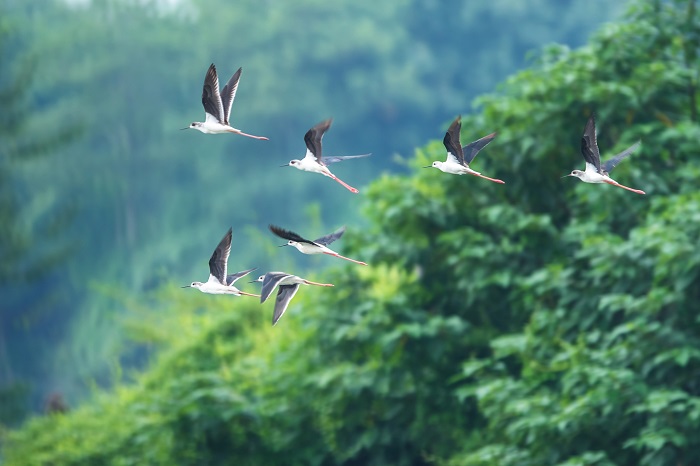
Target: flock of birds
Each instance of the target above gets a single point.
(217, 107)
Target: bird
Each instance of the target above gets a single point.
(217, 105)
(287, 285)
(458, 157)
(219, 282)
(595, 172)
(317, 246)
(313, 162)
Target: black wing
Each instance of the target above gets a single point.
(288, 235)
(231, 279)
(614, 161)
(211, 99)
(218, 260)
(229, 93)
(328, 239)
(284, 296)
(313, 137)
(589, 144)
(269, 284)
(340, 158)
(470, 150)
(451, 141)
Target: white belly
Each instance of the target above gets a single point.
(593, 177)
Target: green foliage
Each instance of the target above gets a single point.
(148, 200)
(544, 322)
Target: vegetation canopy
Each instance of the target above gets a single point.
(544, 321)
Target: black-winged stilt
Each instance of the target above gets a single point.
(217, 105)
(313, 161)
(458, 157)
(219, 282)
(288, 286)
(595, 172)
(317, 246)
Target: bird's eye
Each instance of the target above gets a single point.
(192, 284)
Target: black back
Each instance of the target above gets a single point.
(451, 140)
(589, 144)
(313, 138)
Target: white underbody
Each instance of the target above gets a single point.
(594, 177)
(291, 280)
(309, 164)
(455, 168)
(306, 248)
(212, 286)
(215, 128)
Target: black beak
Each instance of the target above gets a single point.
(184, 128)
(285, 165)
(429, 166)
(186, 286)
(282, 245)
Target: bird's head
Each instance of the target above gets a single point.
(194, 285)
(436, 164)
(193, 125)
(576, 173)
(292, 163)
(259, 279)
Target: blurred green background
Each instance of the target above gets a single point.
(545, 321)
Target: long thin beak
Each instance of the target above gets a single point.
(429, 166)
(567, 175)
(184, 128)
(285, 165)
(186, 286)
(282, 245)
(254, 281)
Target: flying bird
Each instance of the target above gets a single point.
(287, 285)
(217, 105)
(595, 172)
(313, 161)
(458, 157)
(317, 246)
(219, 281)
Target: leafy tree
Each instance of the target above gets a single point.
(542, 322)
(147, 197)
(28, 226)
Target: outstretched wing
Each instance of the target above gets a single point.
(328, 239)
(614, 161)
(451, 142)
(589, 145)
(340, 158)
(231, 279)
(470, 150)
(218, 260)
(284, 296)
(229, 93)
(288, 235)
(211, 99)
(269, 284)
(313, 138)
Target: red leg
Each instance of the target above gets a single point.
(308, 282)
(615, 183)
(237, 131)
(347, 186)
(490, 179)
(346, 258)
